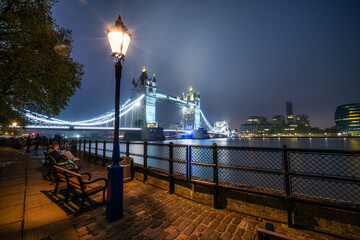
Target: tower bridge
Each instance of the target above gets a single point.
(140, 109)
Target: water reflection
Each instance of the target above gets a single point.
(307, 143)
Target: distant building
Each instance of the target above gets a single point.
(278, 121)
(347, 118)
(176, 126)
(302, 120)
(191, 115)
(255, 125)
(289, 113)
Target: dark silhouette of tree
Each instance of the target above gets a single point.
(36, 70)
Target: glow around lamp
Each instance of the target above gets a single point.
(119, 38)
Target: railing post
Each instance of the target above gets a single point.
(188, 163)
(287, 186)
(171, 168)
(96, 146)
(104, 154)
(127, 154)
(145, 161)
(84, 149)
(76, 146)
(127, 149)
(79, 148)
(89, 150)
(215, 176)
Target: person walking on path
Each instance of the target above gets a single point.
(37, 142)
(28, 144)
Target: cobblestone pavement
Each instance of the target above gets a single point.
(152, 213)
(26, 212)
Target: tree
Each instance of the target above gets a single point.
(36, 70)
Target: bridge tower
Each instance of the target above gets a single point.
(191, 114)
(145, 112)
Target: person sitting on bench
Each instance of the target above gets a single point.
(61, 157)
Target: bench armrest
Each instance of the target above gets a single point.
(74, 170)
(95, 180)
(87, 174)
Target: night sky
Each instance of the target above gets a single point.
(244, 57)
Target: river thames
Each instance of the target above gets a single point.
(306, 143)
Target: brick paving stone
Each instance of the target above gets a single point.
(232, 228)
(156, 224)
(248, 235)
(198, 220)
(162, 235)
(228, 219)
(201, 228)
(215, 236)
(155, 233)
(243, 224)
(250, 226)
(165, 225)
(226, 236)
(178, 221)
(222, 226)
(220, 216)
(183, 225)
(193, 216)
(187, 214)
(207, 221)
(147, 231)
(205, 214)
(214, 224)
(239, 232)
(207, 233)
(212, 215)
(193, 237)
(190, 229)
(173, 235)
(236, 221)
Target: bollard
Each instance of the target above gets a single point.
(96, 150)
(145, 161)
(287, 185)
(215, 176)
(171, 168)
(104, 154)
(89, 150)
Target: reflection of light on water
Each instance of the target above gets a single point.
(305, 143)
(354, 143)
(326, 143)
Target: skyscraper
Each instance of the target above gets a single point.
(289, 113)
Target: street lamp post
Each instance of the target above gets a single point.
(119, 39)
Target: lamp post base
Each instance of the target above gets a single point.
(114, 206)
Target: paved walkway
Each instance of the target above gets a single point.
(28, 209)
(25, 211)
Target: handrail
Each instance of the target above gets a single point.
(230, 166)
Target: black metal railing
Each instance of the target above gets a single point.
(326, 177)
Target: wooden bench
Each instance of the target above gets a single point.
(79, 186)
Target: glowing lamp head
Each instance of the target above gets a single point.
(14, 124)
(119, 39)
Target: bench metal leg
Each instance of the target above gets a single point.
(67, 195)
(82, 204)
(56, 187)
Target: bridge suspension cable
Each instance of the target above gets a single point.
(99, 120)
(205, 120)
